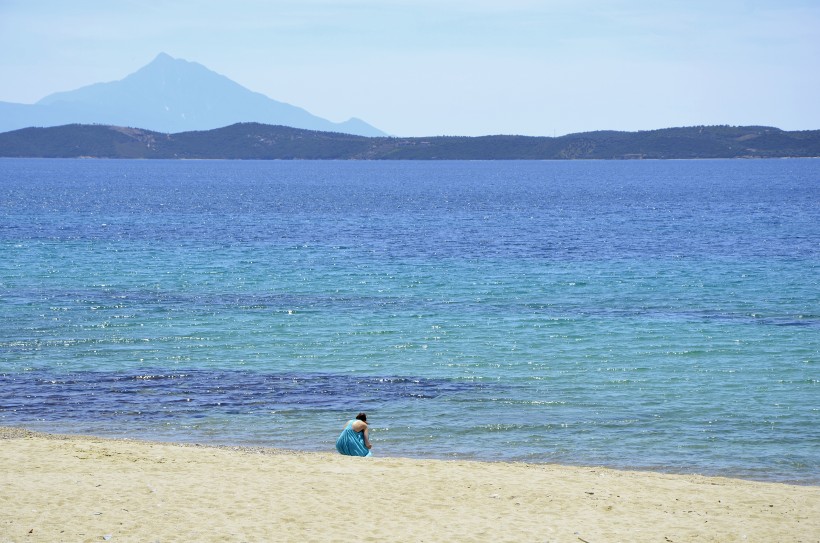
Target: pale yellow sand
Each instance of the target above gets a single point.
(88, 489)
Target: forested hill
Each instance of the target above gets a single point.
(259, 141)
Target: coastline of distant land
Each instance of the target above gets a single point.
(254, 141)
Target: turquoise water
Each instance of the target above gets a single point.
(646, 314)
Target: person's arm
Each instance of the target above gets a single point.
(367, 438)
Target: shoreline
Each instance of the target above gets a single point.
(6, 431)
(85, 488)
(273, 450)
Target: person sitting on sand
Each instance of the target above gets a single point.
(354, 440)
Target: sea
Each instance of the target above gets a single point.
(646, 315)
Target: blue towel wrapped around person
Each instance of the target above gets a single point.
(354, 439)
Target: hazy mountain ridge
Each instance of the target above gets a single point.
(266, 142)
(168, 95)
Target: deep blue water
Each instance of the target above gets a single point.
(642, 314)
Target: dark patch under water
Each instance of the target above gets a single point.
(158, 394)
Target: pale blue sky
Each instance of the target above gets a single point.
(457, 67)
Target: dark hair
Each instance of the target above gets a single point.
(362, 417)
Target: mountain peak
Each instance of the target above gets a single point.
(164, 63)
(166, 60)
(170, 95)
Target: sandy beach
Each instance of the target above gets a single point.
(70, 488)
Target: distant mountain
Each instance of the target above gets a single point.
(169, 95)
(263, 142)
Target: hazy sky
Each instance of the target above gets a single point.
(460, 67)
